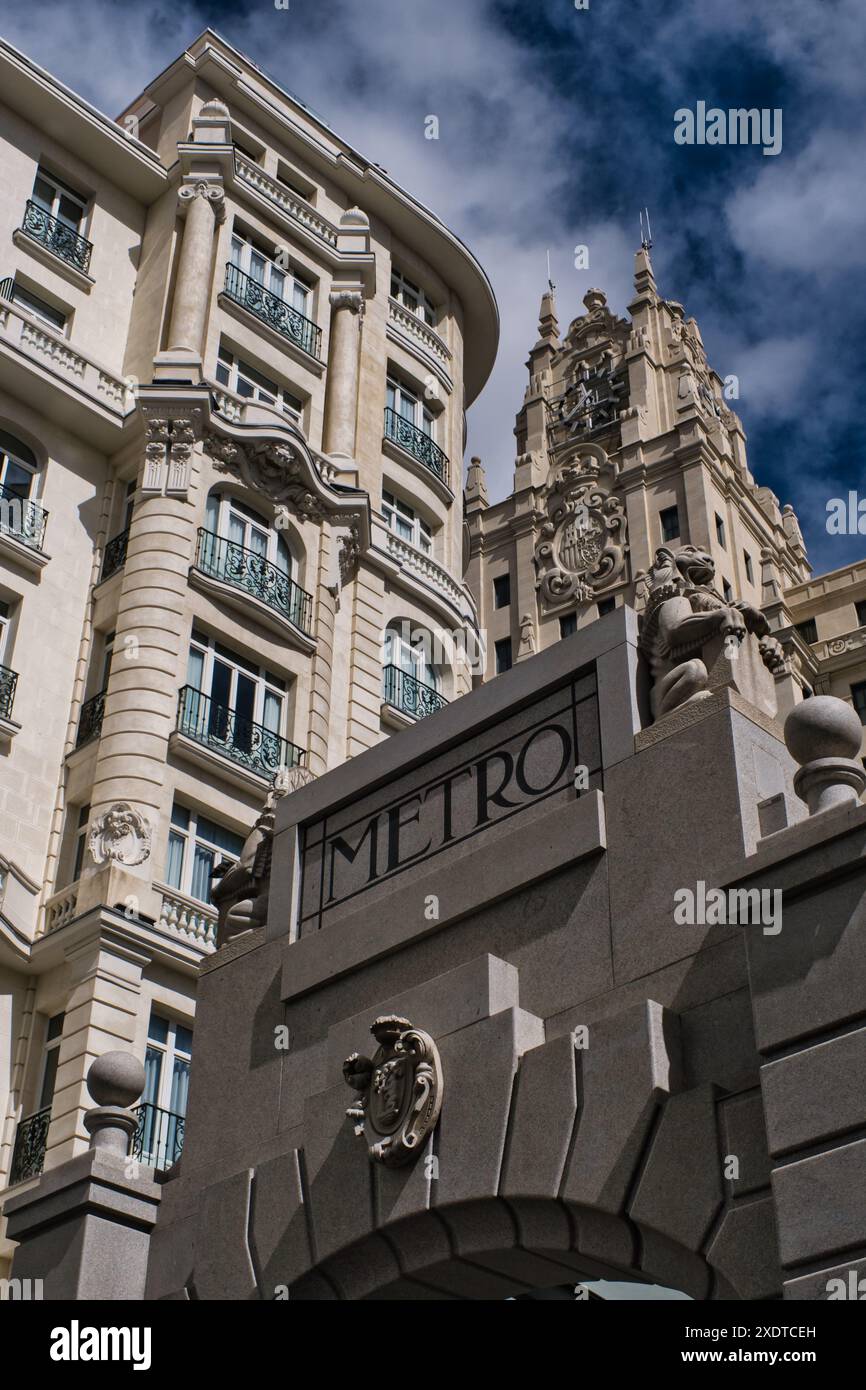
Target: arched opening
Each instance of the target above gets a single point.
(20, 486)
(492, 1249)
(414, 668)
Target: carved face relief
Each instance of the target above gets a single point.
(121, 835)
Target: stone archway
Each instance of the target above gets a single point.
(492, 1250)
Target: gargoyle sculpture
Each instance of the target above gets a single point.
(683, 613)
(240, 891)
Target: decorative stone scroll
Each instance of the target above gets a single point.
(121, 835)
(399, 1091)
(583, 541)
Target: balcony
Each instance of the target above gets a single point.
(90, 720)
(416, 443)
(8, 682)
(245, 570)
(271, 310)
(31, 1137)
(114, 557)
(57, 237)
(158, 1139)
(233, 736)
(188, 918)
(21, 518)
(410, 697)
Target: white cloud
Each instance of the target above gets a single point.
(808, 214)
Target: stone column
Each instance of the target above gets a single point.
(342, 399)
(130, 799)
(205, 203)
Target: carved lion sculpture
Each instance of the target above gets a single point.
(683, 613)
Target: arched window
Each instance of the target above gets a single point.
(410, 649)
(234, 521)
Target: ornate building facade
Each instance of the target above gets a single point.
(235, 358)
(627, 442)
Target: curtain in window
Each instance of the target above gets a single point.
(152, 1074)
(174, 860)
(202, 870)
(179, 1086)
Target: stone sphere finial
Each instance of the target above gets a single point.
(116, 1078)
(822, 727)
(824, 735)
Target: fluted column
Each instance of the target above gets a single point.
(342, 399)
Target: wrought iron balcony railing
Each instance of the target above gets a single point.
(31, 1137)
(409, 695)
(57, 236)
(22, 518)
(272, 310)
(244, 569)
(416, 443)
(115, 554)
(225, 731)
(158, 1139)
(8, 682)
(90, 719)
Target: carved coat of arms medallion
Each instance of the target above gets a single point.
(582, 547)
(399, 1091)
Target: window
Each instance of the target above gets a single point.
(411, 297)
(80, 843)
(246, 381)
(411, 651)
(858, 695)
(720, 531)
(403, 521)
(5, 629)
(107, 653)
(406, 404)
(502, 591)
(808, 630)
(50, 1061)
(58, 200)
(747, 561)
(861, 613)
(503, 655)
(235, 521)
(727, 591)
(606, 605)
(286, 284)
(670, 523)
(253, 695)
(39, 308)
(195, 846)
(128, 505)
(568, 625)
(166, 1090)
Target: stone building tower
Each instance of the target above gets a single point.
(626, 441)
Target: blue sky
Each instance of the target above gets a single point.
(556, 126)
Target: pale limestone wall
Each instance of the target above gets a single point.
(114, 225)
(48, 632)
(107, 971)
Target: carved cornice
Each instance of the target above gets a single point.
(270, 458)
